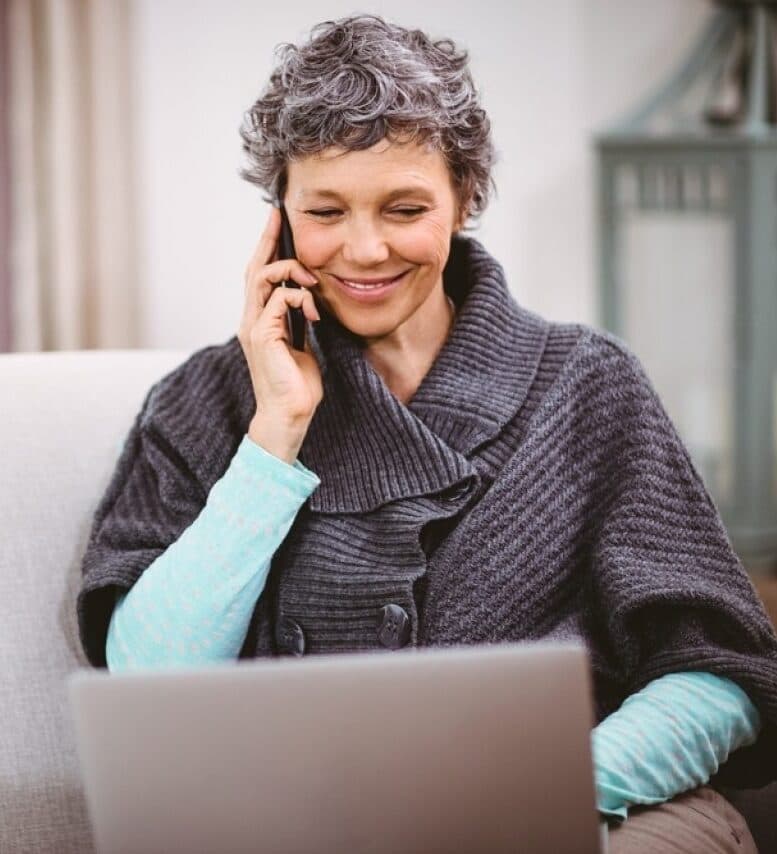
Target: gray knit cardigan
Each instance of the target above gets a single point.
(533, 487)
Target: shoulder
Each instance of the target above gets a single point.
(590, 376)
(603, 398)
(594, 353)
(202, 408)
(209, 383)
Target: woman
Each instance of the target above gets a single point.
(438, 465)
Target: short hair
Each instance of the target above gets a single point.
(359, 80)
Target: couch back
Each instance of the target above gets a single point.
(63, 419)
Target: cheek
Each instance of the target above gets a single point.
(314, 246)
(438, 242)
(428, 243)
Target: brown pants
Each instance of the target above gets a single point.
(700, 821)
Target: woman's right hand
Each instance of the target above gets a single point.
(287, 382)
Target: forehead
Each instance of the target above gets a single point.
(385, 168)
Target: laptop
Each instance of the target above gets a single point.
(455, 749)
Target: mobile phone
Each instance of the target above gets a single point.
(295, 317)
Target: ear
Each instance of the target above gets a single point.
(463, 213)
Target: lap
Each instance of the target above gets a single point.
(700, 821)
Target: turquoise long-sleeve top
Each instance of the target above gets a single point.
(193, 605)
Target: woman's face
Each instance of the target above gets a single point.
(374, 214)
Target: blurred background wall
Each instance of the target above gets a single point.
(126, 224)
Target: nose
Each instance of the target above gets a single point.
(365, 244)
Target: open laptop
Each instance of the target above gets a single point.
(457, 749)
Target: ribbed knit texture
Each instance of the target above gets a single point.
(192, 606)
(194, 602)
(532, 488)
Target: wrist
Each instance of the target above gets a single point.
(279, 438)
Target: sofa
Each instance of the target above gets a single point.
(65, 416)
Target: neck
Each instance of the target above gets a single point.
(404, 359)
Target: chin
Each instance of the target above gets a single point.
(368, 328)
(356, 317)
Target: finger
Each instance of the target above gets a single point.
(272, 324)
(277, 301)
(255, 297)
(284, 298)
(269, 240)
(266, 249)
(272, 275)
(259, 288)
(289, 269)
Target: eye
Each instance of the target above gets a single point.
(328, 213)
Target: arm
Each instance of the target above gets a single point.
(669, 737)
(669, 592)
(193, 604)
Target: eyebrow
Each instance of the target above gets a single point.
(400, 191)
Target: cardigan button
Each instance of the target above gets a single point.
(289, 637)
(393, 626)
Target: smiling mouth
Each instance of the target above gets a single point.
(369, 284)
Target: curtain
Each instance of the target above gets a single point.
(5, 198)
(71, 260)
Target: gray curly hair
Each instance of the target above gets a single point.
(359, 80)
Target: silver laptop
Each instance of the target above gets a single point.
(458, 749)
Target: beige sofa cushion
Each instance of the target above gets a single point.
(63, 419)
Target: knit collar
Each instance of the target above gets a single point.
(368, 448)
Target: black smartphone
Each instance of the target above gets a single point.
(295, 317)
